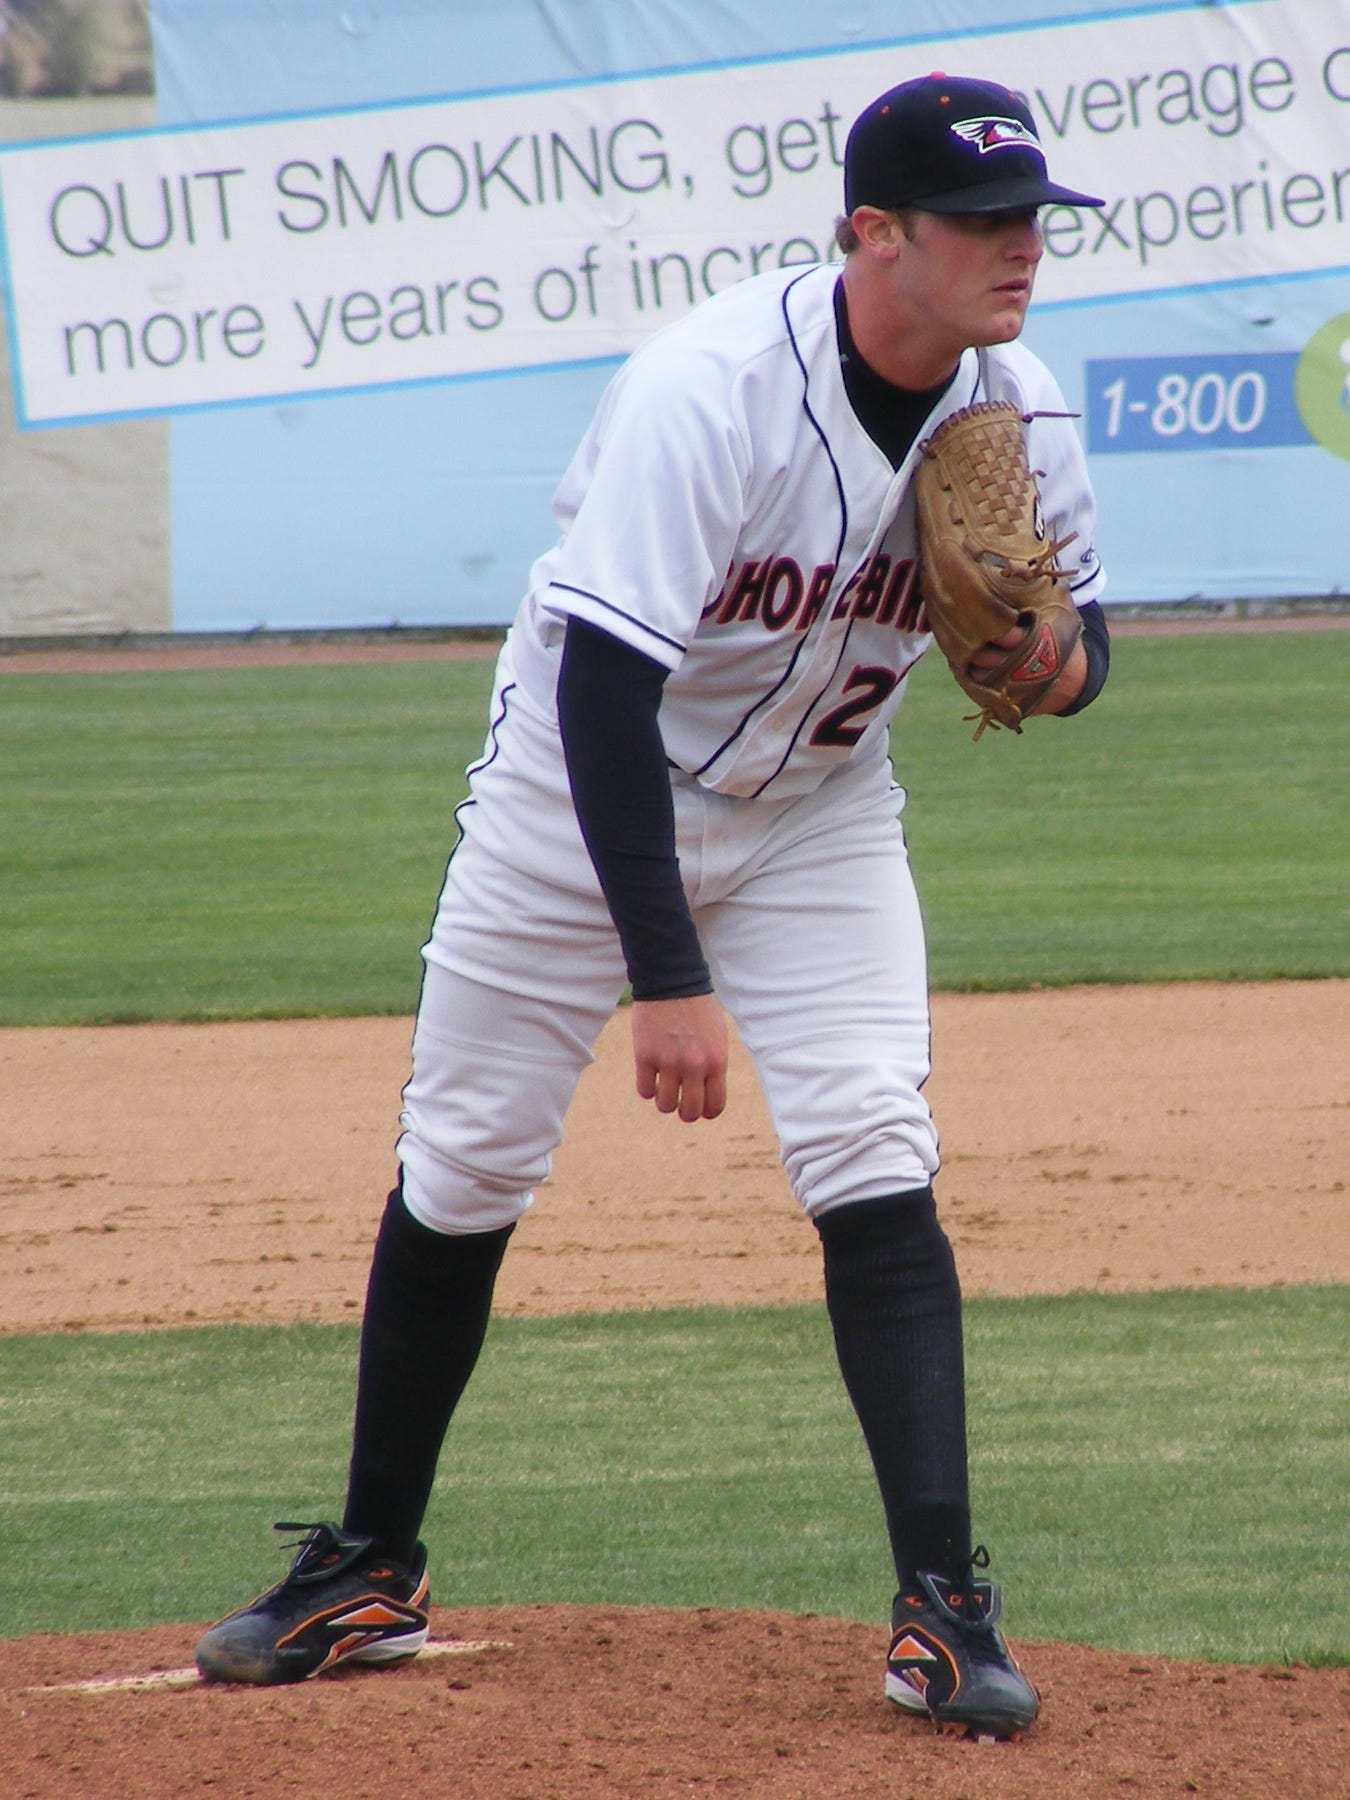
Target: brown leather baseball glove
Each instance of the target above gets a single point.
(987, 566)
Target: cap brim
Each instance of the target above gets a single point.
(1002, 196)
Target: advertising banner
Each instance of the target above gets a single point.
(370, 267)
(369, 247)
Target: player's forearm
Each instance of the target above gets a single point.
(1068, 688)
(609, 696)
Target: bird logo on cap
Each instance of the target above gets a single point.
(995, 134)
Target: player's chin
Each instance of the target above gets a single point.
(1005, 324)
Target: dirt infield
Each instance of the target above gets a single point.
(1102, 1138)
(159, 1175)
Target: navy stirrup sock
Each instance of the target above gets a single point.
(427, 1307)
(894, 1302)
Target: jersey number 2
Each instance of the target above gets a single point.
(841, 728)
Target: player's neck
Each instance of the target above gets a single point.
(898, 349)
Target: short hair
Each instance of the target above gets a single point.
(845, 237)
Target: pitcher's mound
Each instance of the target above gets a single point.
(551, 1702)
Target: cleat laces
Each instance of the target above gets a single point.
(323, 1551)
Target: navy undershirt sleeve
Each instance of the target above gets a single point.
(1097, 645)
(609, 697)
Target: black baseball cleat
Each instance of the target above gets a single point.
(341, 1602)
(948, 1659)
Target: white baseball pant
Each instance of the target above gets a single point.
(811, 927)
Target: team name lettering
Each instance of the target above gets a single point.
(778, 594)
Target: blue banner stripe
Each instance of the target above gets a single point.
(1228, 402)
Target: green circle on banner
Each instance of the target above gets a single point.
(1322, 385)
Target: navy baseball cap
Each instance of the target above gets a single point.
(947, 145)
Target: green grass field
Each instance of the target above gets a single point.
(1158, 1472)
(1166, 1472)
(268, 842)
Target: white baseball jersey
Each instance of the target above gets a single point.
(728, 515)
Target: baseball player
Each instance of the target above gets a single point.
(686, 788)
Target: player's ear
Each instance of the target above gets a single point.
(882, 233)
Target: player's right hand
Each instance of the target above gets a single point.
(680, 1055)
